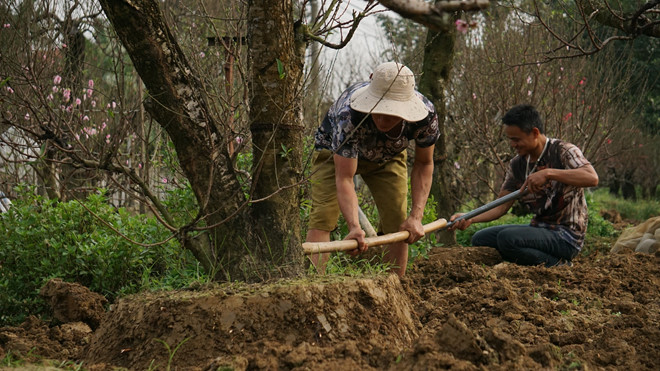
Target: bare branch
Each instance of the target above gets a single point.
(432, 15)
(640, 22)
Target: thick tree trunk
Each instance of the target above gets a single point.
(438, 60)
(276, 66)
(177, 103)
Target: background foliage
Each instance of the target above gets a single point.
(44, 239)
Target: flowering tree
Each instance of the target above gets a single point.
(54, 117)
(239, 227)
(583, 101)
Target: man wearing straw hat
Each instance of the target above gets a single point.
(367, 131)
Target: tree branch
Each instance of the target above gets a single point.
(432, 15)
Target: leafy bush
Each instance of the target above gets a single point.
(44, 239)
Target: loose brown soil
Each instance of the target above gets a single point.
(462, 308)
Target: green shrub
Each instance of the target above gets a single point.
(44, 239)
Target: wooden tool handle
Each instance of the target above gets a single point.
(346, 245)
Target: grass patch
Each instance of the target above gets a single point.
(636, 211)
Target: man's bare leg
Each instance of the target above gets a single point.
(397, 255)
(318, 260)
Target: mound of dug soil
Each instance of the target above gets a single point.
(268, 326)
(461, 308)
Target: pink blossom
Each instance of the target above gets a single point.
(66, 94)
(609, 141)
(57, 79)
(69, 109)
(202, 54)
(85, 118)
(50, 97)
(63, 45)
(164, 180)
(10, 90)
(568, 116)
(474, 96)
(107, 136)
(77, 137)
(529, 79)
(239, 140)
(461, 26)
(584, 79)
(90, 84)
(27, 117)
(55, 89)
(529, 93)
(457, 165)
(103, 126)
(93, 103)
(107, 141)
(90, 92)
(140, 165)
(114, 104)
(78, 101)
(6, 25)
(549, 73)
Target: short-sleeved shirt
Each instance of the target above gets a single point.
(559, 206)
(353, 134)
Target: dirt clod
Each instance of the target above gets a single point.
(72, 302)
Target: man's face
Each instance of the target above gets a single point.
(385, 123)
(520, 141)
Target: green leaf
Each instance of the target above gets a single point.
(5, 81)
(280, 68)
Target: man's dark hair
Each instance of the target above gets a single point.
(524, 116)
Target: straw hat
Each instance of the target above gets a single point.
(390, 92)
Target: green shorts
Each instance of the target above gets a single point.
(387, 182)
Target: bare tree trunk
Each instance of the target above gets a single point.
(47, 173)
(438, 60)
(276, 66)
(177, 103)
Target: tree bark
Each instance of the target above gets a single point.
(276, 58)
(438, 60)
(177, 102)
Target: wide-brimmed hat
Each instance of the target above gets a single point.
(390, 92)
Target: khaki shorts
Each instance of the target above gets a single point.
(388, 183)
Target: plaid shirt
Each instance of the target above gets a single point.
(559, 206)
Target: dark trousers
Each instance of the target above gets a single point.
(526, 245)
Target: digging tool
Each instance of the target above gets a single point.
(491, 205)
(440, 224)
